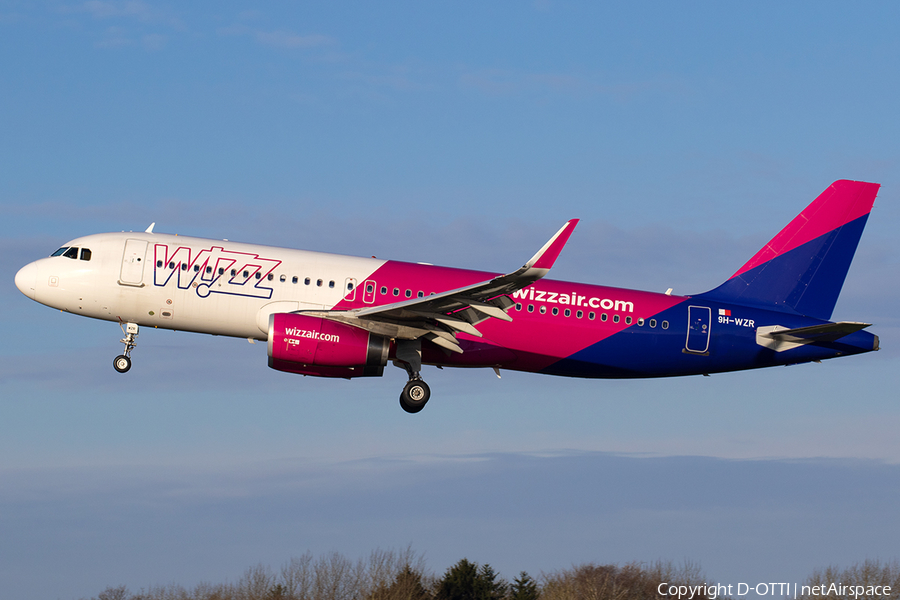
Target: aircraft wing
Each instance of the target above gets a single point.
(439, 317)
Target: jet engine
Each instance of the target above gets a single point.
(315, 346)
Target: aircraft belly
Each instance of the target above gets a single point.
(476, 353)
(639, 351)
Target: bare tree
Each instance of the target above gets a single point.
(394, 575)
(256, 583)
(870, 575)
(334, 577)
(634, 581)
(111, 593)
(297, 577)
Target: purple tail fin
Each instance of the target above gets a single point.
(802, 269)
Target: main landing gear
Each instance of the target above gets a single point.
(414, 395)
(122, 363)
(416, 392)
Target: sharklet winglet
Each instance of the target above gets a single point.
(547, 255)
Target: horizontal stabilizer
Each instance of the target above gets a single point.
(780, 338)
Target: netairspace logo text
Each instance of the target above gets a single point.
(791, 590)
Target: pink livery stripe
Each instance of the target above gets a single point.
(844, 201)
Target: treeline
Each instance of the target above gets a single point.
(390, 575)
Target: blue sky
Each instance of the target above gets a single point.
(684, 137)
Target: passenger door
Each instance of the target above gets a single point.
(132, 272)
(699, 318)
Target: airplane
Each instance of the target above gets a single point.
(330, 315)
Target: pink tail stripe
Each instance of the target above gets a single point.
(844, 201)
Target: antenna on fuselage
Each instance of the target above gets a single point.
(150, 229)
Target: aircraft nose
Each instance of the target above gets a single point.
(26, 279)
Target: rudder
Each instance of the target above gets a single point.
(802, 269)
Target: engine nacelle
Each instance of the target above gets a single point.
(315, 346)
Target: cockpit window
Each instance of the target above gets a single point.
(60, 252)
(71, 253)
(85, 254)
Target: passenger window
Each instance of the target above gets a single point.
(319, 282)
(60, 252)
(665, 324)
(331, 284)
(652, 323)
(85, 254)
(615, 318)
(71, 253)
(591, 315)
(258, 275)
(409, 293)
(543, 310)
(208, 269)
(349, 286)
(370, 288)
(579, 314)
(555, 311)
(518, 306)
(628, 320)
(531, 308)
(603, 317)
(396, 291)
(172, 265)
(306, 281)
(221, 271)
(421, 294)
(233, 272)
(567, 312)
(295, 279)
(283, 278)
(383, 291)
(641, 322)
(159, 264)
(196, 268)
(184, 266)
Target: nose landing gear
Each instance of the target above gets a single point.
(122, 363)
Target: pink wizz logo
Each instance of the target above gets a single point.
(213, 270)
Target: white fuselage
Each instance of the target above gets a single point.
(156, 280)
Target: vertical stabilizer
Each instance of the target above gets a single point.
(802, 269)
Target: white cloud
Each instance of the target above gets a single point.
(131, 9)
(502, 82)
(115, 37)
(154, 41)
(286, 39)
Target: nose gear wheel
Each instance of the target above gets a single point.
(122, 363)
